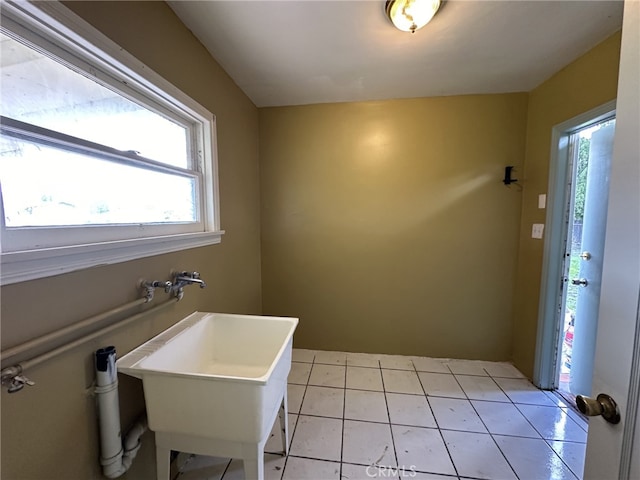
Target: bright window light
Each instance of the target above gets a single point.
(101, 159)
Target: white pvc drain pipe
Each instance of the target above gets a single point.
(115, 458)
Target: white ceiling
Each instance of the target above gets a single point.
(298, 52)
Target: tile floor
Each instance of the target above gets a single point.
(362, 416)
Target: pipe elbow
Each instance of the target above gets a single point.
(114, 467)
(133, 441)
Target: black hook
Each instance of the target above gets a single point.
(507, 175)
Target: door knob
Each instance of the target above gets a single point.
(585, 256)
(580, 281)
(603, 405)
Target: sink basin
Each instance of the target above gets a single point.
(213, 384)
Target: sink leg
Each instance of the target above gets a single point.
(253, 460)
(163, 456)
(284, 424)
(254, 470)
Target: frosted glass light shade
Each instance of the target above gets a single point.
(411, 15)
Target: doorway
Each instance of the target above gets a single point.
(590, 152)
(574, 226)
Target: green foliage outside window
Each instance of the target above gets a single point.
(581, 179)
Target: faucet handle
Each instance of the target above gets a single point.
(194, 275)
(25, 380)
(18, 382)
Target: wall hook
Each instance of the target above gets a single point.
(508, 179)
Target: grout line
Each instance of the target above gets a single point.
(455, 468)
(519, 411)
(293, 434)
(584, 420)
(548, 442)
(344, 409)
(429, 404)
(489, 431)
(226, 469)
(464, 392)
(444, 442)
(386, 403)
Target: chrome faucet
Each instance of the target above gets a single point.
(187, 278)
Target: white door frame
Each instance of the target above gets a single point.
(549, 321)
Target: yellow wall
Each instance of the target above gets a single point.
(49, 431)
(583, 85)
(386, 227)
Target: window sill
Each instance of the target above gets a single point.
(30, 265)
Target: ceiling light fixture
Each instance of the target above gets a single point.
(410, 15)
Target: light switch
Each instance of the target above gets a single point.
(537, 230)
(542, 200)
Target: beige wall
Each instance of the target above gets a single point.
(583, 85)
(386, 227)
(49, 431)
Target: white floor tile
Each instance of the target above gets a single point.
(426, 364)
(553, 423)
(504, 419)
(421, 449)
(317, 437)
(274, 442)
(576, 417)
(320, 437)
(327, 375)
(521, 390)
(410, 410)
(533, 459)
(441, 385)
(467, 367)
(481, 388)
(572, 454)
(368, 443)
(360, 472)
(200, 467)
(299, 373)
(363, 360)
(409, 475)
(396, 362)
(502, 369)
(331, 358)
(307, 469)
(295, 393)
(362, 378)
(456, 414)
(302, 355)
(476, 455)
(273, 467)
(557, 400)
(401, 381)
(365, 406)
(323, 402)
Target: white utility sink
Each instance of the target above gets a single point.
(213, 385)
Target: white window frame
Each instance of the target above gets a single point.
(65, 29)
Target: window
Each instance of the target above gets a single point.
(101, 160)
